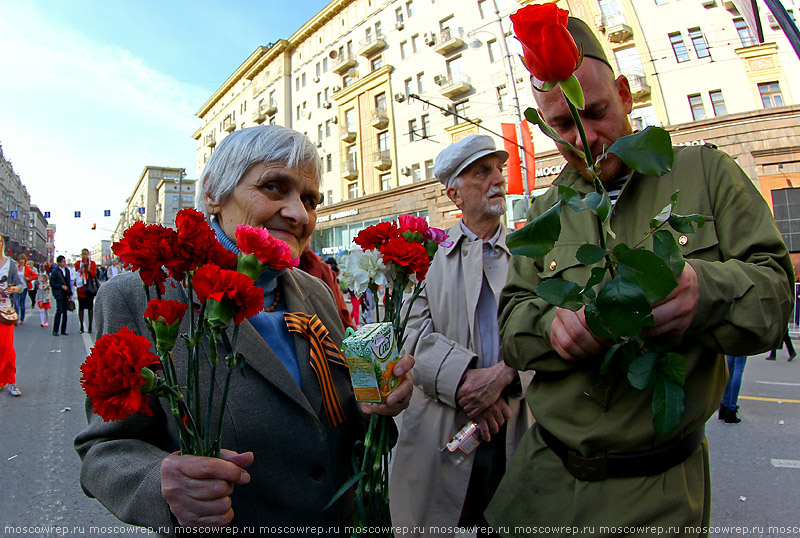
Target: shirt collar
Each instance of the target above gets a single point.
(471, 236)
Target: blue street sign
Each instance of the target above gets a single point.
(47, 214)
(107, 213)
(13, 214)
(141, 211)
(77, 214)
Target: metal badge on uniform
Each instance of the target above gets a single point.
(553, 265)
(683, 240)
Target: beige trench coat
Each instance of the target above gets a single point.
(424, 490)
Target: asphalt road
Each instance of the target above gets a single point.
(755, 465)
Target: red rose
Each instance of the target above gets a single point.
(196, 245)
(235, 292)
(112, 374)
(409, 254)
(267, 249)
(550, 53)
(374, 236)
(147, 249)
(410, 223)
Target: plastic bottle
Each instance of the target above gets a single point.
(462, 444)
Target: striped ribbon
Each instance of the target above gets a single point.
(323, 350)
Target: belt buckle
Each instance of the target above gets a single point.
(587, 469)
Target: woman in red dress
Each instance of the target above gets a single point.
(86, 277)
(10, 283)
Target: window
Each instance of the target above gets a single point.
(352, 157)
(327, 128)
(699, 43)
(461, 109)
(408, 88)
(386, 181)
(319, 99)
(502, 97)
(455, 68)
(717, 102)
(495, 55)
(404, 49)
(329, 167)
(378, 32)
(744, 33)
(383, 142)
(398, 15)
(352, 190)
(679, 47)
(429, 169)
(303, 77)
(347, 80)
(786, 206)
(770, 94)
(350, 119)
(482, 8)
(380, 102)
(318, 70)
(298, 112)
(413, 133)
(415, 43)
(376, 63)
(696, 104)
(319, 132)
(410, 8)
(325, 64)
(297, 84)
(421, 82)
(660, 2)
(415, 176)
(426, 126)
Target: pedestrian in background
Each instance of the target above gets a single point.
(729, 407)
(43, 295)
(86, 285)
(19, 298)
(61, 284)
(10, 285)
(787, 341)
(113, 269)
(32, 279)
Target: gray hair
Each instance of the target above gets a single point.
(243, 148)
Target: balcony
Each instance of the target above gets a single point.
(210, 140)
(371, 45)
(453, 85)
(229, 124)
(263, 111)
(617, 29)
(382, 160)
(446, 42)
(380, 119)
(343, 63)
(349, 170)
(348, 133)
(640, 89)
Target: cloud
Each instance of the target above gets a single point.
(80, 121)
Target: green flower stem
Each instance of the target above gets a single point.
(230, 350)
(212, 377)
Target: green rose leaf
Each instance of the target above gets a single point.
(667, 405)
(532, 115)
(538, 237)
(649, 271)
(599, 204)
(610, 354)
(662, 217)
(598, 273)
(565, 194)
(640, 371)
(561, 293)
(673, 366)
(595, 321)
(590, 254)
(624, 308)
(572, 91)
(666, 247)
(686, 224)
(649, 151)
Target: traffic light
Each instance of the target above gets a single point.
(94, 226)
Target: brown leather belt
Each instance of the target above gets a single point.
(646, 463)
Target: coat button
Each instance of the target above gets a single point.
(683, 240)
(553, 265)
(317, 472)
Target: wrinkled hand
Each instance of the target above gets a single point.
(198, 489)
(571, 337)
(493, 418)
(400, 397)
(481, 388)
(673, 315)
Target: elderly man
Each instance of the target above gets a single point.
(459, 376)
(602, 469)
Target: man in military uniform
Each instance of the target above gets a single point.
(603, 469)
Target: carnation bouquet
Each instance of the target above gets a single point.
(395, 257)
(121, 371)
(626, 281)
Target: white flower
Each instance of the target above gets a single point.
(360, 268)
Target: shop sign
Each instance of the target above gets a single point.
(340, 215)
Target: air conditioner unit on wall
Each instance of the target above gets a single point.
(406, 171)
(326, 104)
(399, 25)
(429, 39)
(399, 97)
(315, 79)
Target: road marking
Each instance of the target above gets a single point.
(779, 383)
(787, 464)
(760, 399)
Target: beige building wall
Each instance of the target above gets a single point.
(145, 205)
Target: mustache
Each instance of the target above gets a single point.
(494, 191)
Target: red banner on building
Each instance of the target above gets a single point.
(510, 141)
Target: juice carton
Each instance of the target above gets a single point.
(371, 354)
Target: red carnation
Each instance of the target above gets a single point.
(269, 250)
(374, 236)
(410, 223)
(112, 374)
(408, 254)
(197, 245)
(550, 53)
(235, 293)
(147, 249)
(165, 310)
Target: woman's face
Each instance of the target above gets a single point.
(270, 195)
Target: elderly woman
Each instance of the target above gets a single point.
(288, 462)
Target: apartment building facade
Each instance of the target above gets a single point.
(381, 86)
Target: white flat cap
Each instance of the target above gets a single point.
(453, 159)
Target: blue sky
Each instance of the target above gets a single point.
(94, 91)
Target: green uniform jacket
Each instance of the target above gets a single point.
(745, 279)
